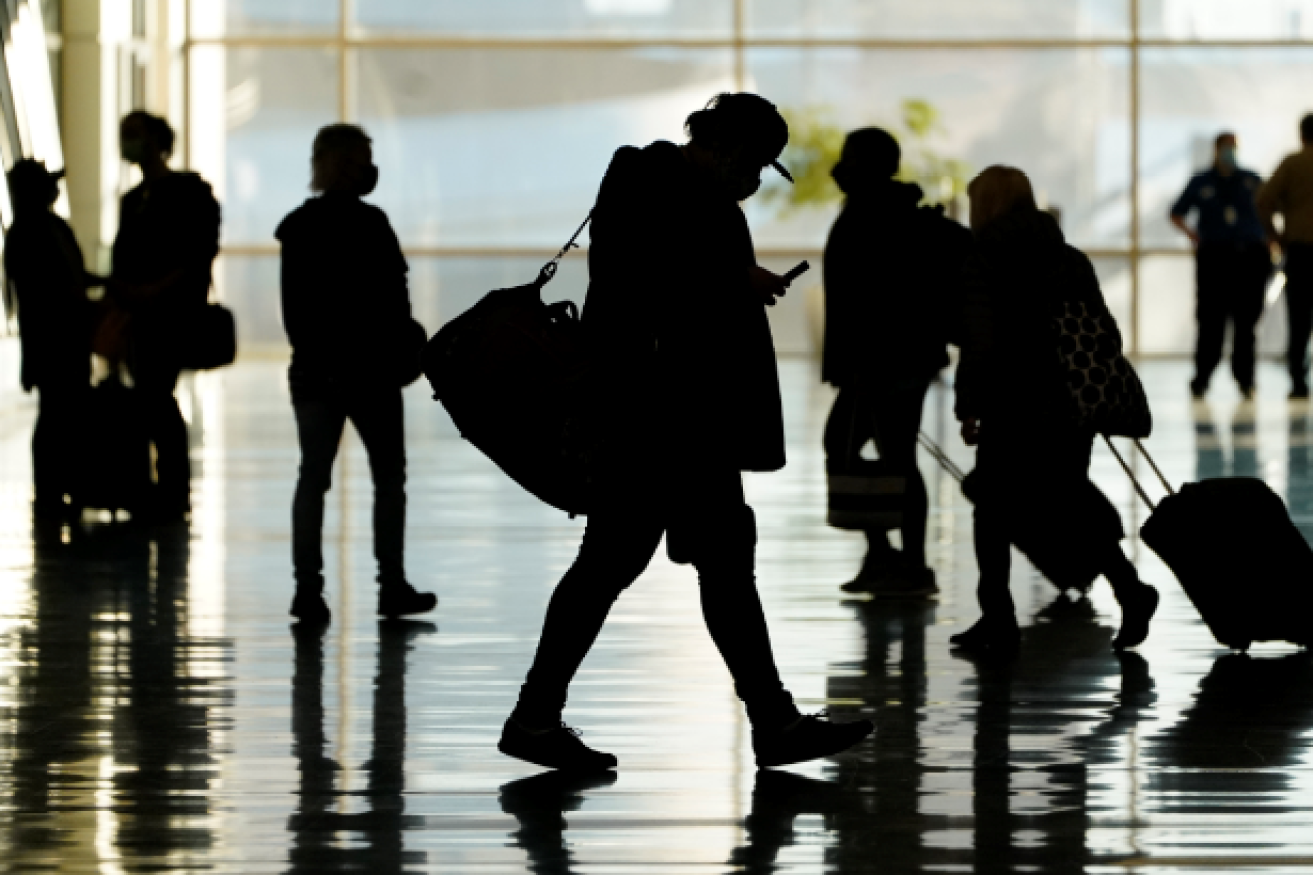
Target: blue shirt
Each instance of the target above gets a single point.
(1226, 206)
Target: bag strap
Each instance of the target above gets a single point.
(941, 457)
(549, 269)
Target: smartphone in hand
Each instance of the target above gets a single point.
(796, 271)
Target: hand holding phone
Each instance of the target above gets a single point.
(796, 271)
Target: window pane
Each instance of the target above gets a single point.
(1060, 115)
(488, 147)
(1226, 19)
(217, 18)
(946, 19)
(1189, 95)
(248, 285)
(254, 113)
(613, 18)
(1167, 310)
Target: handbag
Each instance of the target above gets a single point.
(1106, 393)
(211, 341)
(863, 494)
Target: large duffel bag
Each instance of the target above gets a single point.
(1240, 559)
(512, 371)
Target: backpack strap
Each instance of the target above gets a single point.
(549, 269)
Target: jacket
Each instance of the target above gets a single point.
(890, 269)
(1018, 275)
(345, 299)
(680, 344)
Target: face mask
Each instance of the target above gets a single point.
(368, 179)
(133, 150)
(744, 187)
(1226, 157)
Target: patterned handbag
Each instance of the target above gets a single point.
(1106, 393)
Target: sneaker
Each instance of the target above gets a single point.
(810, 737)
(906, 583)
(557, 748)
(309, 607)
(990, 638)
(1198, 390)
(399, 599)
(1299, 392)
(1136, 614)
(877, 564)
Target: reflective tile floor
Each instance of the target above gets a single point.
(158, 714)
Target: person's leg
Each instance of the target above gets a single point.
(168, 432)
(617, 546)
(1299, 312)
(1210, 313)
(319, 424)
(50, 450)
(1138, 600)
(897, 417)
(1249, 274)
(848, 428)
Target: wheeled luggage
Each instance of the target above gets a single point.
(511, 371)
(1240, 559)
(116, 472)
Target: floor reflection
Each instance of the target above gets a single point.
(320, 826)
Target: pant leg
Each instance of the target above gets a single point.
(1210, 311)
(379, 418)
(1299, 309)
(896, 414)
(1250, 269)
(618, 544)
(319, 425)
(168, 432)
(56, 456)
(719, 535)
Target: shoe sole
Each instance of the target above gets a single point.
(820, 755)
(392, 615)
(600, 766)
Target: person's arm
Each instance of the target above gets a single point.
(1270, 200)
(1181, 209)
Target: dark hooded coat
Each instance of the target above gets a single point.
(681, 348)
(890, 274)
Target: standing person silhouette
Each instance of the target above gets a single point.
(890, 266)
(346, 308)
(688, 395)
(1032, 467)
(1289, 193)
(1232, 263)
(164, 253)
(48, 276)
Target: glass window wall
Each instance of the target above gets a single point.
(493, 122)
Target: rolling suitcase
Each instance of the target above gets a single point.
(1053, 554)
(1240, 559)
(116, 474)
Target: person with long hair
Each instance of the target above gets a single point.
(1032, 464)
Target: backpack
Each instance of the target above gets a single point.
(512, 371)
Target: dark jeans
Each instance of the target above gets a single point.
(155, 383)
(1231, 280)
(1038, 477)
(58, 442)
(889, 414)
(709, 523)
(1299, 308)
(378, 416)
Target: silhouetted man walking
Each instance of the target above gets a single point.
(1289, 193)
(1232, 264)
(687, 393)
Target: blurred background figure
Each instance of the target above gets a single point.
(48, 282)
(167, 241)
(346, 309)
(1289, 194)
(1232, 264)
(890, 266)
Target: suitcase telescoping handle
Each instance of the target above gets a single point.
(1144, 496)
(941, 457)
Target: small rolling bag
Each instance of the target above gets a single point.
(116, 472)
(1240, 559)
